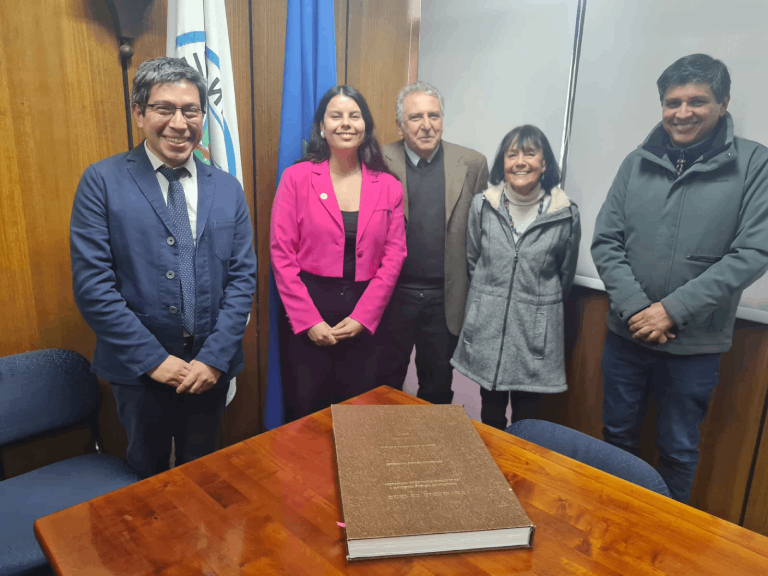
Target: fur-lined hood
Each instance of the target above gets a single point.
(559, 199)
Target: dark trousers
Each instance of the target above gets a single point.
(493, 410)
(417, 317)
(681, 387)
(153, 413)
(314, 377)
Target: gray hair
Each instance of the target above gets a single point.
(162, 71)
(419, 86)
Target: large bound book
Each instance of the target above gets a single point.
(420, 480)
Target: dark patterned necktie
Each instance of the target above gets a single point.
(177, 206)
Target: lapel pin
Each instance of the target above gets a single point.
(323, 196)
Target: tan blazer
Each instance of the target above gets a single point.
(466, 174)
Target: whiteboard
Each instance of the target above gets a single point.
(498, 64)
(504, 63)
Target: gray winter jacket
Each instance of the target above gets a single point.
(693, 242)
(512, 337)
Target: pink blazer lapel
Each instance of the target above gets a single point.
(369, 198)
(323, 188)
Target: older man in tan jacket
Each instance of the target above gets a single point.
(427, 307)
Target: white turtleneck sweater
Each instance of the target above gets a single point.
(523, 209)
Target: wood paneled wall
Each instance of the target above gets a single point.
(378, 50)
(61, 108)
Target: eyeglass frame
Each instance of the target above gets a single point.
(199, 112)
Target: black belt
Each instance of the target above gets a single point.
(188, 341)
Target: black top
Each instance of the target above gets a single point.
(424, 267)
(350, 242)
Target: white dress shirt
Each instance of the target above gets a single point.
(188, 183)
(414, 158)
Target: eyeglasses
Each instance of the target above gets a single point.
(166, 111)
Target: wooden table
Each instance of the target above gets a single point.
(270, 505)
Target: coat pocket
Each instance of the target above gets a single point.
(538, 342)
(377, 227)
(223, 232)
(701, 258)
(470, 319)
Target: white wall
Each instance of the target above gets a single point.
(498, 64)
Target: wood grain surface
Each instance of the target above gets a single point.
(268, 34)
(60, 110)
(731, 432)
(377, 51)
(270, 505)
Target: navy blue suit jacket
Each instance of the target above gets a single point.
(122, 246)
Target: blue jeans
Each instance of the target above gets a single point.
(681, 387)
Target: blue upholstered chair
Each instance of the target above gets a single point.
(590, 451)
(42, 392)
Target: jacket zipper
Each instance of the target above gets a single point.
(509, 296)
(506, 313)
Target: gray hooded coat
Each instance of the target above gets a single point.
(512, 337)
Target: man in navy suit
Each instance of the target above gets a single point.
(164, 272)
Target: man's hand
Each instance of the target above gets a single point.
(652, 325)
(201, 377)
(172, 371)
(347, 328)
(321, 334)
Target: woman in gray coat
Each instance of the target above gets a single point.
(522, 246)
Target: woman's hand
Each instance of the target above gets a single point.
(347, 328)
(322, 334)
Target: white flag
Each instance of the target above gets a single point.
(197, 32)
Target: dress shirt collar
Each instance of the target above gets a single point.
(414, 158)
(157, 163)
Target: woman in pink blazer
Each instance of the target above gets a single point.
(337, 243)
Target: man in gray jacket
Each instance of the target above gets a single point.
(682, 233)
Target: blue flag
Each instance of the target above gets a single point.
(310, 70)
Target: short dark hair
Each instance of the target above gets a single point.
(162, 71)
(697, 69)
(527, 136)
(369, 152)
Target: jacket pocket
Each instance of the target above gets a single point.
(469, 320)
(707, 259)
(379, 223)
(223, 232)
(539, 340)
(718, 319)
(144, 319)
